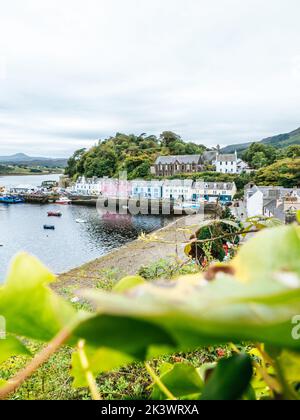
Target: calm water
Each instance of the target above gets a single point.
(71, 244)
(36, 180)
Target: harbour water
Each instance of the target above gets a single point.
(71, 244)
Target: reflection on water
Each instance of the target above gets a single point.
(70, 244)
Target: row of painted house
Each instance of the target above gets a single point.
(176, 189)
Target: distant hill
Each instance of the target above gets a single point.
(280, 141)
(22, 159)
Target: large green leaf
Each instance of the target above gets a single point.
(11, 346)
(192, 312)
(290, 363)
(270, 251)
(100, 360)
(127, 335)
(128, 283)
(182, 380)
(30, 307)
(230, 380)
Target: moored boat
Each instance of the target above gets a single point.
(49, 227)
(63, 201)
(54, 214)
(11, 199)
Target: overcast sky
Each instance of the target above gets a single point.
(214, 71)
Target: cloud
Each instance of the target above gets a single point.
(216, 72)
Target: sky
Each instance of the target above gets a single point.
(213, 71)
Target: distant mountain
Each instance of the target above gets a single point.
(280, 141)
(22, 159)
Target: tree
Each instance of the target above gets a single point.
(283, 173)
(293, 151)
(168, 137)
(142, 171)
(268, 155)
(136, 165)
(73, 163)
(259, 160)
(101, 165)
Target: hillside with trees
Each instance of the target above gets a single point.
(261, 155)
(279, 142)
(284, 172)
(131, 153)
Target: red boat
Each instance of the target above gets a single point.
(54, 214)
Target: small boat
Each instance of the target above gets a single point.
(11, 199)
(63, 201)
(49, 227)
(54, 214)
(80, 221)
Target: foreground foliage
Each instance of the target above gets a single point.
(254, 298)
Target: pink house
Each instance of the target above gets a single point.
(115, 188)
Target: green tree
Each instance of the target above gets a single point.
(283, 172)
(73, 166)
(267, 156)
(292, 151)
(101, 165)
(168, 138)
(259, 160)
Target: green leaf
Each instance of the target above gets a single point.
(157, 351)
(290, 363)
(270, 251)
(30, 307)
(128, 283)
(127, 335)
(100, 360)
(2, 383)
(181, 379)
(12, 347)
(191, 312)
(230, 379)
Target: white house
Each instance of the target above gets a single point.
(263, 201)
(146, 189)
(254, 199)
(178, 189)
(230, 164)
(87, 186)
(213, 191)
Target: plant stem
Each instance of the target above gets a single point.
(14, 383)
(159, 383)
(87, 371)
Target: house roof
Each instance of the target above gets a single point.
(179, 183)
(181, 159)
(215, 185)
(143, 183)
(227, 158)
